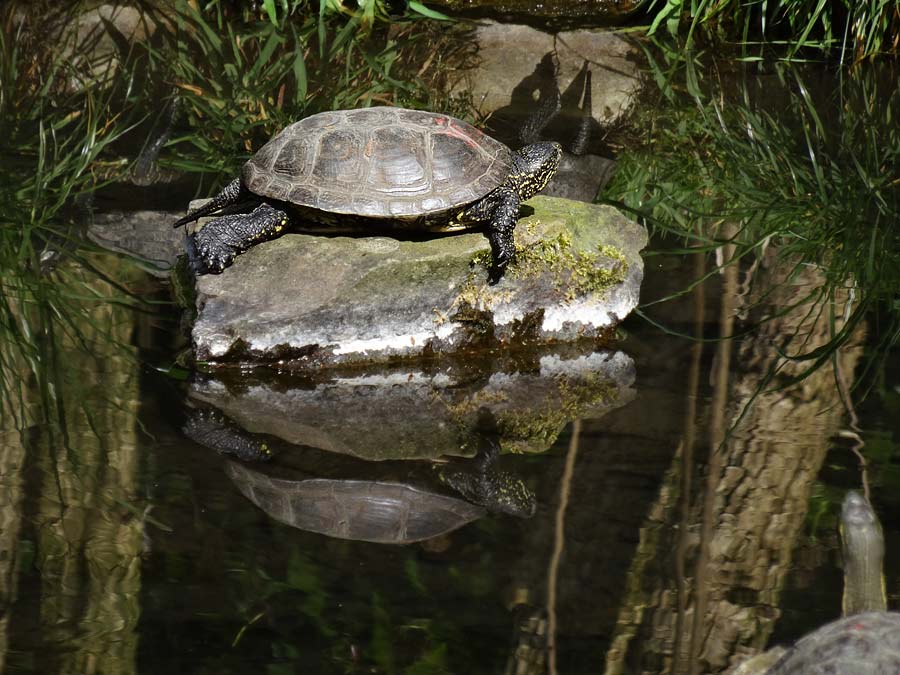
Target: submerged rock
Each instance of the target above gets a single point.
(309, 301)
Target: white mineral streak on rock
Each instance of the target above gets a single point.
(401, 378)
(588, 313)
(393, 343)
(505, 313)
(607, 362)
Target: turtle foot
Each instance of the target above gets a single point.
(501, 262)
(209, 254)
(495, 274)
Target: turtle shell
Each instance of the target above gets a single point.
(379, 163)
(856, 645)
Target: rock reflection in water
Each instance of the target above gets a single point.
(413, 414)
(438, 438)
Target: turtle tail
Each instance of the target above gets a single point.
(230, 194)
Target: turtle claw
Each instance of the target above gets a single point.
(211, 256)
(502, 259)
(498, 269)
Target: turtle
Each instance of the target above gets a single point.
(867, 639)
(370, 169)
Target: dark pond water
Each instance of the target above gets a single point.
(129, 547)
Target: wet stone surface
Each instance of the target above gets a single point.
(311, 301)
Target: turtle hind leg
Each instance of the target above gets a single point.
(230, 194)
(501, 209)
(214, 247)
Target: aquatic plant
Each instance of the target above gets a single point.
(854, 30)
(243, 75)
(813, 176)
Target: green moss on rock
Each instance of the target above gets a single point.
(575, 272)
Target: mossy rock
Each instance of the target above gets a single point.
(307, 301)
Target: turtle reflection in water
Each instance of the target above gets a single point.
(363, 170)
(867, 639)
(377, 511)
(381, 511)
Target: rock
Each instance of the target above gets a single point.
(566, 88)
(554, 12)
(394, 413)
(93, 41)
(146, 235)
(509, 55)
(309, 301)
(580, 178)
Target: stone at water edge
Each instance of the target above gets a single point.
(146, 235)
(314, 300)
(615, 71)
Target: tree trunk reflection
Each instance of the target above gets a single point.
(715, 599)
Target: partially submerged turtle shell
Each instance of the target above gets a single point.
(377, 511)
(379, 163)
(860, 643)
(855, 645)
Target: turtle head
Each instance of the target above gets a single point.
(535, 165)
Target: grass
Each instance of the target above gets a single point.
(816, 177)
(72, 115)
(854, 31)
(56, 128)
(242, 77)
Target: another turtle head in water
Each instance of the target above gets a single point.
(862, 547)
(867, 639)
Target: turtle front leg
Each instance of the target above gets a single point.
(219, 241)
(501, 209)
(229, 195)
